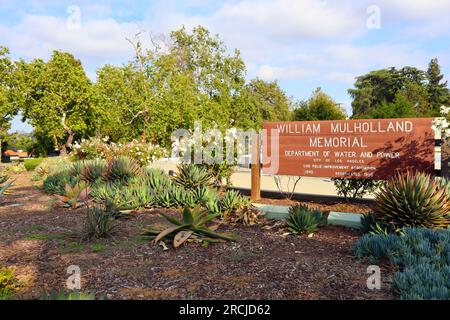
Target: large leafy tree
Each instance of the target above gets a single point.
(7, 108)
(193, 78)
(260, 101)
(380, 87)
(319, 107)
(57, 98)
(400, 92)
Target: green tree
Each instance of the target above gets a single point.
(438, 91)
(58, 99)
(380, 87)
(400, 108)
(319, 107)
(260, 101)
(7, 108)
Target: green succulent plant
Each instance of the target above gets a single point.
(99, 221)
(192, 225)
(191, 176)
(74, 196)
(413, 200)
(122, 169)
(302, 220)
(231, 201)
(93, 170)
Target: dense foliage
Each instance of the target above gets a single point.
(396, 93)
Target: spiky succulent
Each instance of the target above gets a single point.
(413, 200)
(93, 170)
(122, 169)
(192, 225)
(302, 220)
(191, 176)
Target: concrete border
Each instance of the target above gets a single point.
(344, 219)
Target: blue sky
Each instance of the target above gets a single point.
(303, 44)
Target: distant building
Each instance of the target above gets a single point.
(15, 155)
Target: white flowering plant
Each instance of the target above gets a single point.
(216, 152)
(442, 125)
(101, 148)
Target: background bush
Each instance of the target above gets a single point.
(33, 163)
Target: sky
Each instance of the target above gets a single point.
(303, 44)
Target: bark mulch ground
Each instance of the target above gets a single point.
(39, 241)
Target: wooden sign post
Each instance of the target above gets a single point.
(256, 169)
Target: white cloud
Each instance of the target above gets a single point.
(270, 73)
(95, 41)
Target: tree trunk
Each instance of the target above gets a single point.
(63, 148)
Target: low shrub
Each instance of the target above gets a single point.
(33, 163)
(8, 283)
(421, 257)
(302, 220)
(355, 188)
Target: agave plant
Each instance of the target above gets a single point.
(93, 170)
(231, 201)
(99, 221)
(74, 196)
(192, 225)
(156, 179)
(122, 169)
(191, 176)
(302, 220)
(4, 185)
(414, 200)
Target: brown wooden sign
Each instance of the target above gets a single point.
(365, 149)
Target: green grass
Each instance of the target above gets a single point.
(97, 247)
(33, 163)
(70, 247)
(47, 236)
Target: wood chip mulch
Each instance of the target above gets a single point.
(37, 240)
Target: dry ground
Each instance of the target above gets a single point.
(39, 241)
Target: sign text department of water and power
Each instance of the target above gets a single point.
(370, 149)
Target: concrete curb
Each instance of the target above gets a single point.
(344, 219)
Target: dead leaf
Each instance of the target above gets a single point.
(181, 237)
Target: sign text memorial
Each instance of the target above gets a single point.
(365, 149)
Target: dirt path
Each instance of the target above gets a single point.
(36, 239)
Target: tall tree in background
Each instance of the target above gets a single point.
(260, 101)
(438, 91)
(7, 107)
(57, 98)
(187, 78)
(400, 92)
(319, 107)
